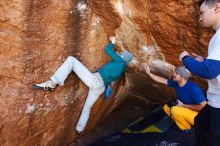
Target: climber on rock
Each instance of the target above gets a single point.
(97, 82)
(190, 98)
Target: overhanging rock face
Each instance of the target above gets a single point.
(36, 36)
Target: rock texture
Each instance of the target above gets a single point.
(36, 36)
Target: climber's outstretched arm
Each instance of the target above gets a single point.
(153, 76)
(110, 52)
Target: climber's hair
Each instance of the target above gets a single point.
(208, 2)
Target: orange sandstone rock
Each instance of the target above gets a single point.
(36, 36)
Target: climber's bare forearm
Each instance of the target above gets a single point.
(158, 78)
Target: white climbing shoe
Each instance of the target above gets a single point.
(47, 86)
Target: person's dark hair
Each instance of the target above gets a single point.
(210, 2)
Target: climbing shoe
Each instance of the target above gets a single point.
(46, 86)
